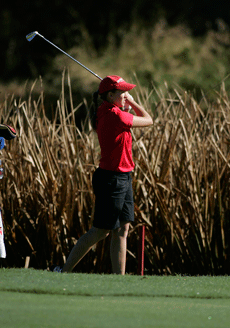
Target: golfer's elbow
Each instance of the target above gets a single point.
(142, 121)
(150, 121)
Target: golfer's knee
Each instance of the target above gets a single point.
(121, 232)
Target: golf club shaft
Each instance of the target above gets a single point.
(33, 34)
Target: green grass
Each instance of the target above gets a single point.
(44, 282)
(34, 298)
(29, 310)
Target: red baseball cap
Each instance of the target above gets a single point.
(114, 82)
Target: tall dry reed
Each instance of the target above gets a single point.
(181, 185)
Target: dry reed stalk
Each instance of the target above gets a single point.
(181, 185)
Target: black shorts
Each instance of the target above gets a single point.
(114, 199)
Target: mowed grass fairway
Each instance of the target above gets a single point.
(35, 298)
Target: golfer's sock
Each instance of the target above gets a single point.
(2, 245)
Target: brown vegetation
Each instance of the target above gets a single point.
(181, 185)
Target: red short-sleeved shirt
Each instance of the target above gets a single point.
(113, 130)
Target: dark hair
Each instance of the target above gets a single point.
(103, 96)
(94, 112)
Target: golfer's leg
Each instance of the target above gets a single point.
(118, 248)
(83, 246)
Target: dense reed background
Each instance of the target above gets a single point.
(181, 184)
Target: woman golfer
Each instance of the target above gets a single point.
(112, 182)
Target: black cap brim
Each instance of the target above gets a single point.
(7, 132)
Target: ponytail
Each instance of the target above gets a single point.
(94, 115)
(103, 97)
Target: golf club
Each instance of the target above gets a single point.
(32, 35)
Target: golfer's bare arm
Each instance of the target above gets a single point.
(142, 118)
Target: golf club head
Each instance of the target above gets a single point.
(31, 35)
